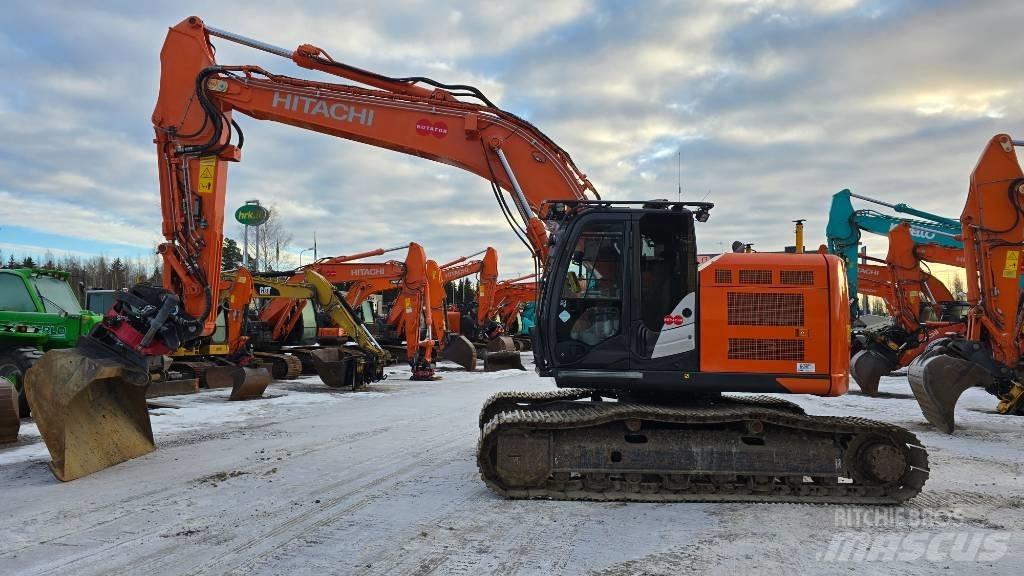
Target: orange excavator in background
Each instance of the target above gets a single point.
(922, 307)
(498, 351)
(642, 342)
(989, 354)
(409, 315)
(509, 299)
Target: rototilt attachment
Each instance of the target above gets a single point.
(90, 408)
(502, 355)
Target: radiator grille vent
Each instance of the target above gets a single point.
(723, 276)
(765, 309)
(796, 277)
(755, 276)
(766, 349)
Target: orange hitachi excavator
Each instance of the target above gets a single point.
(409, 315)
(989, 354)
(643, 343)
(922, 307)
(499, 351)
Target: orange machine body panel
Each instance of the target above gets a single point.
(780, 314)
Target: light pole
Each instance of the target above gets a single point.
(300, 255)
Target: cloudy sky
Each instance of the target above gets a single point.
(773, 105)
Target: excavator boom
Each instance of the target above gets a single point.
(989, 354)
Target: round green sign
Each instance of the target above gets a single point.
(252, 215)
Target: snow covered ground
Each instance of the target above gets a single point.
(315, 481)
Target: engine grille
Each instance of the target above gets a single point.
(723, 276)
(765, 309)
(766, 349)
(755, 276)
(796, 277)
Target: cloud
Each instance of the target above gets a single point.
(773, 105)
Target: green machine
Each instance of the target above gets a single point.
(38, 312)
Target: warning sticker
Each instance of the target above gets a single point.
(1012, 261)
(803, 367)
(207, 172)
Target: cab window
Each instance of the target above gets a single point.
(591, 295)
(14, 296)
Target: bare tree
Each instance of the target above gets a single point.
(274, 239)
(958, 287)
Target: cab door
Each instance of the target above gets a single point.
(585, 313)
(663, 312)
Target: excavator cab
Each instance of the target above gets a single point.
(619, 294)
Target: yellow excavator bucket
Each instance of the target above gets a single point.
(10, 421)
(90, 410)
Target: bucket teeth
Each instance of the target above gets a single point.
(938, 381)
(90, 410)
(867, 368)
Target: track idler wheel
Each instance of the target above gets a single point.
(90, 410)
(245, 383)
(502, 355)
(10, 421)
(867, 367)
(938, 381)
(460, 350)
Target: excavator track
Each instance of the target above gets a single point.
(744, 449)
(283, 366)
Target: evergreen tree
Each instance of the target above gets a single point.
(28, 262)
(231, 258)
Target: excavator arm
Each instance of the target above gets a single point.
(989, 354)
(845, 224)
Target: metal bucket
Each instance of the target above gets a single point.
(90, 410)
(867, 368)
(502, 355)
(245, 383)
(338, 367)
(458, 349)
